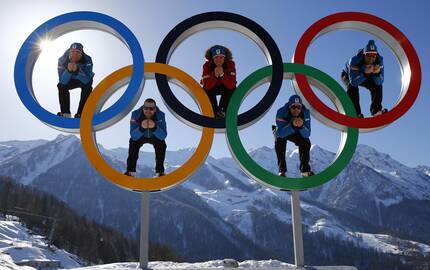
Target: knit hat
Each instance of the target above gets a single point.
(370, 47)
(295, 100)
(217, 50)
(77, 47)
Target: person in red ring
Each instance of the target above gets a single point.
(293, 123)
(219, 77)
(365, 69)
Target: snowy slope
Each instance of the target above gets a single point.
(18, 244)
(381, 242)
(233, 204)
(268, 264)
(6, 263)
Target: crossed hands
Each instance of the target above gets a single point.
(72, 67)
(219, 71)
(147, 123)
(298, 122)
(372, 69)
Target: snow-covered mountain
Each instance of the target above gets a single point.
(376, 202)
(21, 248)
(33, 158)
(12, 148)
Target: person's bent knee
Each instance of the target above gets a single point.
(87, 87)
(132, 142)
(62, 87)
(163, 144)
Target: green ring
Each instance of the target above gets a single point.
(260, 174)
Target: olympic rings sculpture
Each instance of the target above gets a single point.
(302, 76)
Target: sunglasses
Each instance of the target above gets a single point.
(296, 107)
(148, 108)
(371, 55)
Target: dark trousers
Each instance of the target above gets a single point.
(64, 95)
(375, 93)
(304, 145)
(133, 153)
(225, 98)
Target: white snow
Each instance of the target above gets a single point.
(381, 242)
(18, 244)
(6, 146)
(198, 265)
(216, 264)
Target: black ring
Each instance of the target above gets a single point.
(220, 20)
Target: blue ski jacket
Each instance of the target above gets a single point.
(137, 132)
(355, 69)
(84, 73)
(284, 120)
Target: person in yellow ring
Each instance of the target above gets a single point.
(147, 125)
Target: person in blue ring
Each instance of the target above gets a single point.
(219, 78)
(75, 70)
(293, 123)
(147, 125)
(365, 69)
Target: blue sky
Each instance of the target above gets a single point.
(405, 140)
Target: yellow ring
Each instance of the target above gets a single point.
(145, 184)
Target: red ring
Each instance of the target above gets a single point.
(364, 123)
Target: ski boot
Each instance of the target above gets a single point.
(131, 174)
(158, 174)
(66, 115)
(306, 174)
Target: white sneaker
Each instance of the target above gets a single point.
(159, 174)
(306, 174)
(66, 115)
(132, 174)
(380, 112)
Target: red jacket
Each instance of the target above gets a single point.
(209, 80)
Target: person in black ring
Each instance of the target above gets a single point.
(219, 77)
(209, 20)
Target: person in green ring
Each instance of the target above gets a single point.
(293, 123)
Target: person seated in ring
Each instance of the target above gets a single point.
(293, 123)
(75, 69)
(147, 125)
(365, 69)
(219, 77)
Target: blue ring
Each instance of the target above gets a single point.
(29, 52)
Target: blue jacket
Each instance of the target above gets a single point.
(355, 69)
(84, 73)
(284, 121)
(137, 132)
